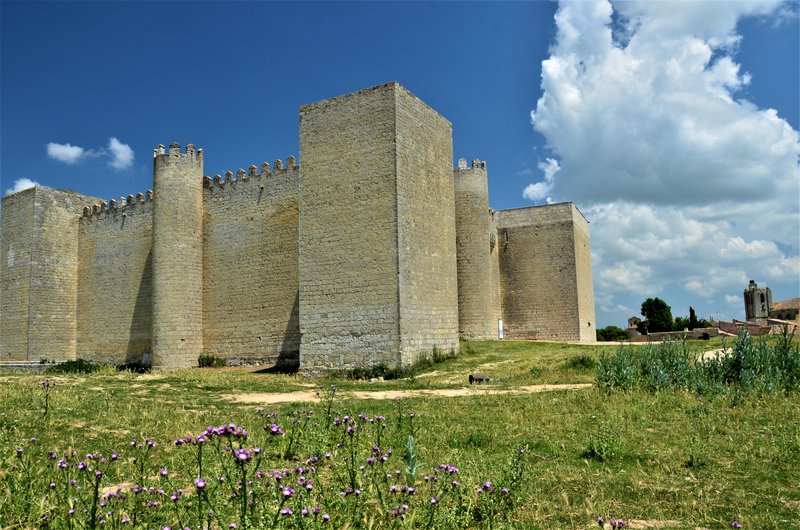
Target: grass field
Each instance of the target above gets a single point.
(667, 459)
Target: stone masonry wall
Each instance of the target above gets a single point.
(48, 302)
(478, 285)
(115, 286)
(15, 271)
(348, 232)
(428, 290)
(587, 325)
(250, 266)
(538, 275)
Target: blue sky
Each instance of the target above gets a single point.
(653, 117)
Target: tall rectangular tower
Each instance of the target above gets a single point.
(377, 231)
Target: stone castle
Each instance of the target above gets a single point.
(374, 250)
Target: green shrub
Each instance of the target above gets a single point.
(612, 333)
(603, 444)
(748, 365)
(209, 360)
(385, 371)
(78, 366)
(582, 362)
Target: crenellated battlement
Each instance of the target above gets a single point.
(174, 152)
(113, 205)
(476, 164)
(252, 173)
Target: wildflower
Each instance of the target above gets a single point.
(199, 483)
(287, 491)
(504, 491)
(164, 472)
(600, 521)
(98, 474)
(19, 451)
(286, 511)
(736, 524)
(326, 517)
(434, 500)
(232, 525)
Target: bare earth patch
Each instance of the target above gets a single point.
(653, 523)
(305, 396)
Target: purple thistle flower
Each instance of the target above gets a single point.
(287, 512)
(199, 483)
(287, 491)
(504, 491)
(19, 451)
(434, 500)
(98, 474)
(326, 517)
(736, 524)
(164, 472)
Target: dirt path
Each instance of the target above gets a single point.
(306, 396)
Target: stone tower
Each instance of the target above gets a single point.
(177, 256)
(476, 242)
(757, 303)
(377, 231)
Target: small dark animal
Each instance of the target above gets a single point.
(478, 379)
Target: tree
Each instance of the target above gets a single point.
(692, 319)
(657, 314)
(612, 333)
(680, 324)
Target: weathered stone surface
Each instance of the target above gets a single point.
(545, 271)
(250, 271)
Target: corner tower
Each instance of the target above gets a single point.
(476, 243)
(177, 256)
(377, 231)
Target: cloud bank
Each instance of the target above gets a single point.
(119, 155)
(691, 189)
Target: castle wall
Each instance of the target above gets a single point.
(478, 283)
(348, 257)
(250, 266)
(587, 325)
(539, 273)
(115, 286)
(15, 271)
(428, 287)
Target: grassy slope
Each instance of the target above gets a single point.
(699, 463)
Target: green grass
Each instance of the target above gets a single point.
(660, 456)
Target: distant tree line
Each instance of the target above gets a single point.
(657, 318)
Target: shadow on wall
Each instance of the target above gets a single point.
(289, 357)
(140, 334)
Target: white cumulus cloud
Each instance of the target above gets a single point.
(121, 154)
(690, 188)
(21, 184)
(67, 153)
